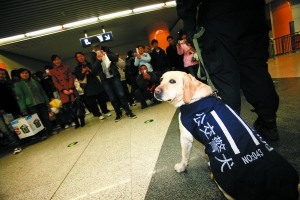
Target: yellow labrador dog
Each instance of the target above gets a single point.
(242, 164)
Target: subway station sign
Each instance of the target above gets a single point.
(103, 37)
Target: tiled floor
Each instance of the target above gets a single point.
(112, 160)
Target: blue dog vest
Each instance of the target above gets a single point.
(233, 147)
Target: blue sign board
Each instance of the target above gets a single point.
(103, 37)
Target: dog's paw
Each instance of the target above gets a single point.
(211, 175)
(179, 167)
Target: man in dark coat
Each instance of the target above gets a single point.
(93, 89)
(46, 83)
(175, 60)
(110, 77)
(131, 72)
(159, 59)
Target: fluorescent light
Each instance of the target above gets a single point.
(12, 38)
(171, 3)
(149, 8)
(85, 22)
(82, 22)
(43, 31)
(114, 15)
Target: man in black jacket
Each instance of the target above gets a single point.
(46, 84)
(175, 60)
(147, 82)
(110, 77)
(131, 72)
(159, 59)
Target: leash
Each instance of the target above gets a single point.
(206, 77)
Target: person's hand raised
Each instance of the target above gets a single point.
(138, 56)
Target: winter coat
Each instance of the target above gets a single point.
(159, 60)
(63, 80)
(93, 85)
(25, 97)
(144, 60)
(187, 55)
(48, 87)
(175, 60)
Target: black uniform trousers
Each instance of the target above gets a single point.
(235, 52)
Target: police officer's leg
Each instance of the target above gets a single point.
(223, 69)
(256, 81)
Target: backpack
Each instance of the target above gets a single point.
(130, 70)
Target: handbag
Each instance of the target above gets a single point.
(77, 108)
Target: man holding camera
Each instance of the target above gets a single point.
(110, 77)
(147, 82)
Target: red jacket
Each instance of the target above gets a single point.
(63, 80)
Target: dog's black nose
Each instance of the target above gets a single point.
(157, 90)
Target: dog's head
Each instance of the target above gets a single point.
(180, 88)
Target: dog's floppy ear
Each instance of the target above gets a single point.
(189, 87)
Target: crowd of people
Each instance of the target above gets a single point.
(88, 88)
(102, 77)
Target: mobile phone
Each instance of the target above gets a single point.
(47, 70)
(145, 71)
(137, 50)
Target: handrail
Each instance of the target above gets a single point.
(286, 44)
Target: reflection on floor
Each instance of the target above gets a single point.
(130, 159)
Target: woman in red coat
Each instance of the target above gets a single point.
(64, 82)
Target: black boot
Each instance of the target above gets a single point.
(266, 127)
(82, 122)
(77, 125)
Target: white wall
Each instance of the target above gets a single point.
(296, 15)
(14, 61)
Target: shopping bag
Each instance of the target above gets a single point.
(77, 109)
(106, 61)
(27, 126)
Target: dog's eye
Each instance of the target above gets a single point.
(161, 79)
(172, 81)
